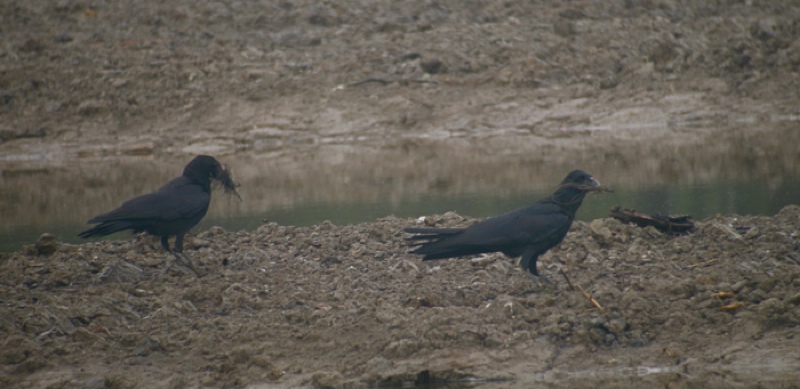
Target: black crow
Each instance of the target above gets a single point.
(528, 232)
(171, 210)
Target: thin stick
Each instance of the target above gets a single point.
(585, 294)
(588, 296)
(703, 263)
(383, 81)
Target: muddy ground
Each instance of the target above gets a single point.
(328, 305)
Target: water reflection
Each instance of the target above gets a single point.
(743, 170)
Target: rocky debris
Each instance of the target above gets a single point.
(328, 306)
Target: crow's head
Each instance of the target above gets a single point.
(205, 167)
(581, 180)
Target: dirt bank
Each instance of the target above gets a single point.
(82, 79)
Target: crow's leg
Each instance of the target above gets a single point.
(540, 279)
(528, 264)
(179, 242)
(165, 242)
(185, 260)
(183, 264)
(181, 259)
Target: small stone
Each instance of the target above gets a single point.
(764, 29)
(795, 299)
(32, 46)
(120, 271)
(64, 38)
(600, 232)
(401, 348)
(92, 107)
(46, 244)
(752, 233)
(326, 380)
(82, 334)
(433, 66)
(563, 27)
(147, 346)
(95, 383)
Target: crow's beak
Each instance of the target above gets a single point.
(218, 174)
(594, 183)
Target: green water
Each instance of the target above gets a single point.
(749, 168)
(718, 196)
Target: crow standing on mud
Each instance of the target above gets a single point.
(171, 210)
(528, 232)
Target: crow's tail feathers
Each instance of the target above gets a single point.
(109, 227)
(421, 233)
(437, 243)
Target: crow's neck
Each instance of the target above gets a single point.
(203, 180)
(568, 197)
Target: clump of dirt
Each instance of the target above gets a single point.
(329, 305)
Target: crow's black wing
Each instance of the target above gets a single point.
(537, 224)
(178, 199)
